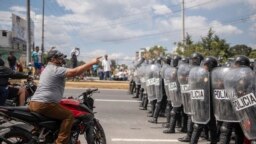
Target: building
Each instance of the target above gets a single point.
(7, 44)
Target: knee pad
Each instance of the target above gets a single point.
(196, 126)
(223, 129)
(173, 113)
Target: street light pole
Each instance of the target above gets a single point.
(183, 24)
(42, 46)
(28, 58)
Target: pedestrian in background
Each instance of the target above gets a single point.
(74, 53)
(106, 67)
(37, 58)
(12, 61)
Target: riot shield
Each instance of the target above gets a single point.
(150, 82)
(199, 86)
(167, 81)
(142, 76)
(240, 86)
(222, 106)
(173, 87)
(183, 73)
(158, 82)
(137, 76)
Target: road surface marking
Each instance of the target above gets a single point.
(143, 140)
(112, 100)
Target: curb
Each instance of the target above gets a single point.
(90, 84)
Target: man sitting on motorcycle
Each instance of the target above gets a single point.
(7, 91)
(50, 91)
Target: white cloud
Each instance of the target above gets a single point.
(212, 4)
(224, 29)
(18, 9)
(198, 26)
(76, 6)
(161, 9)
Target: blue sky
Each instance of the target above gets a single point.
(121, 27)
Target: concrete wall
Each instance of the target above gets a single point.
(5, 39)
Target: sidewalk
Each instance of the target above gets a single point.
(89, 84)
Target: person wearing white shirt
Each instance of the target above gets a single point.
(106, 67)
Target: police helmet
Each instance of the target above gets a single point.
(242, 61)
(210, 62)
(175, 60)
(196, 58)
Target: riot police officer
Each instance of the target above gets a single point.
(174, 94)
(195, 60)
(161, 101)
(234, 82)
(202, 107)
(157, 87)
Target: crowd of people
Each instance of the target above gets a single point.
(198, 95)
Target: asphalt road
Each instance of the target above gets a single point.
(123, 122)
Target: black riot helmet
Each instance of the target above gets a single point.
(185, 60)
(158, 60)
(242, 61)
(175, 60)
(196, 58)
(166, 60)
(210, 62)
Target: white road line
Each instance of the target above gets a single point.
(112, 100)
(143, 140)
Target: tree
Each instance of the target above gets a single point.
(253, 54)
(240, 50)
(210, 45)
(156, 51)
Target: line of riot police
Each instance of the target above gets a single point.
(200, 96)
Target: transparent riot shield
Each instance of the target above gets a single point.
(158, 82)
(150, 82)
(142, 76)
(222, 106)
(167, 81)
(199, 86)
(183, 73)
(174, 88)
(240, 86)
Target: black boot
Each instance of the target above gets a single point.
(168, 115)
(156, 113)
(173, 119)
(132, 87)
(153, 106)
(137, 91)
(145, 103)
(184, 123)
(198, 128)
(141, 94)
(189, 131)
(225, 133)
(153, 120)
(186, 138)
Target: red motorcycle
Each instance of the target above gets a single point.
(45, 130)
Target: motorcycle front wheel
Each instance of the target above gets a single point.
(99, 136)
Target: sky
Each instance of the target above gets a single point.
(119, 28)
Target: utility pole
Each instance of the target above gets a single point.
(183, 24)
(28, 59)
(42, 46)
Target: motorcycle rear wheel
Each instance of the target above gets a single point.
(16, 135)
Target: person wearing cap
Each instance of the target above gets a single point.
(106, 67)
(50, 92)
(8, 92)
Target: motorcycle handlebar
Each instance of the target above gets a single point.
(90, 91)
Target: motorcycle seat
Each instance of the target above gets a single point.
(19, 108)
